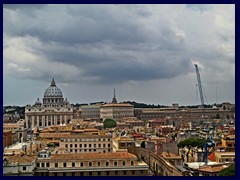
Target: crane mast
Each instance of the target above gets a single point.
(200, 87)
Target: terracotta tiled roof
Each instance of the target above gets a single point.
(76, 136)
(166, 155)
(212, 157)
(94, 156)
(54, 135)
(20, 159)
(213, 168)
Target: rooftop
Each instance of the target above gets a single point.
(90, 106)
(20, 159)
(117, 105)
(94, 156)
(213, 168)
(166, 155)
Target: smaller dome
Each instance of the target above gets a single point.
(38, 102)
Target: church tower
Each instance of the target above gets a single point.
(114, 100)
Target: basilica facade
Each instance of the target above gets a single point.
(54, 109)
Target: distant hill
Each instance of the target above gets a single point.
(13, 109)
(143, 105)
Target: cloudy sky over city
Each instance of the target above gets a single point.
(146, 52)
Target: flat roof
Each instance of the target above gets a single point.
(118, 105)
(18, 146)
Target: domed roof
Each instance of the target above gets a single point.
(53, 90)
(38, 102)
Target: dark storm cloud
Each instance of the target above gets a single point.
(72, 25)
(101, 43)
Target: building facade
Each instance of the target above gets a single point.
(21, 165)
(91, 164)
(7, 138)
(53, 110)
(83, 143)
(90, 112)
(116, 111)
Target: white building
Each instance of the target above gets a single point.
(53, 110)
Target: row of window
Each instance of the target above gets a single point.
(81, 164)
(86, 150)
(85, 145)
(98, 173)
(86, 140)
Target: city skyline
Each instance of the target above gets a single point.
(146, 52)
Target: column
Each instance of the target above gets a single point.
(43, 121)
(33, 119)
(51, 119)
(65, 119)
(26, 121)
(55, 119)
(61, 119)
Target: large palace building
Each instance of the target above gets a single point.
(54, 109)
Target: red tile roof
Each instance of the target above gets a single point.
(94, 156)
(213, 168)
(212, 157)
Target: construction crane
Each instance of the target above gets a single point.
(209, 143)
(200, 87)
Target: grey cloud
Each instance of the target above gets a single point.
(198, 7)
(23, 6)
(106, 43)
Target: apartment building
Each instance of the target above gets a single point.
(82, 143)
(91, 164)
(90, 112)
(228, 143)
(116, 111)
(20, 165)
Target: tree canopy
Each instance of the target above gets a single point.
(229, 171)
(143, 144)
(109, 123)
(192, 142)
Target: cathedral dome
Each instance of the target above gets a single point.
(53, 91)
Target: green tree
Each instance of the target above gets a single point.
(52, 144)
(143, 144)
(229, 171)
(191, 142)
(109, 123)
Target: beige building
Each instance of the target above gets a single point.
(18, 165)
(82, 143)
(212, 170)
(153, 113)
(53, 110)
(91, 164)
(224, 157)
(19, 132)
(90, 112)
(116, 111)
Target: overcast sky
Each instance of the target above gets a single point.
(146, 52)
